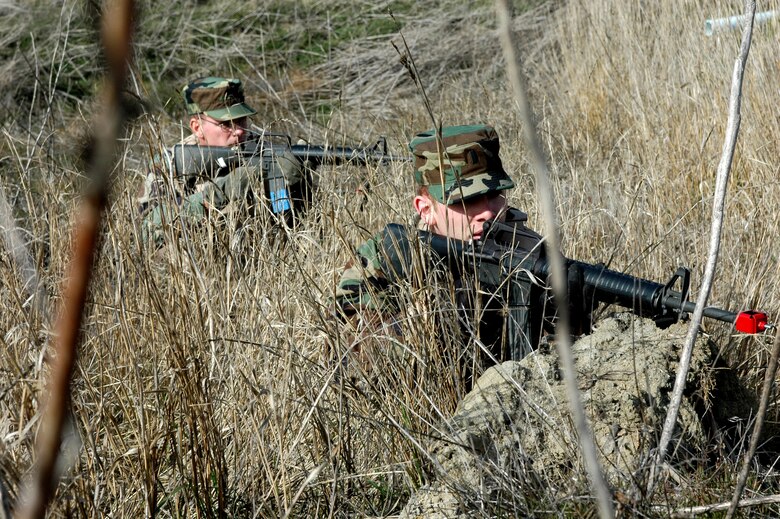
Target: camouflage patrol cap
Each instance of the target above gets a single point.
(469, 160)
(217, 97)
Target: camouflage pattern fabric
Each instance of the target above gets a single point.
(374, 344)
(217, 97)
(363, 284)
(461, 162)
(158, 183)
(215, 195)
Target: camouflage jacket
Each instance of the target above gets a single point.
(363, 284)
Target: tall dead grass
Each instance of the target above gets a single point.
(206, 384)
(655, 102)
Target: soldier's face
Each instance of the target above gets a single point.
(463, 220)
(211, 132)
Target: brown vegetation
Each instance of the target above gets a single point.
(202, 387)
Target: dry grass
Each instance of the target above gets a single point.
(203, 386)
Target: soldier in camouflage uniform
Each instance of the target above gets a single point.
(461, 184)
(218, 117)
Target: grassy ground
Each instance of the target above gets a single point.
(203, 385)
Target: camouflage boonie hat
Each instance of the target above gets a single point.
(218, 97)
(469, 159)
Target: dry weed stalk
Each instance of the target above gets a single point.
(30, 280)
(721, 185)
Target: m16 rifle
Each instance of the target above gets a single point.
(285, 167)
(511, 256)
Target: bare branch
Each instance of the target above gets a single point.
(718, 507)
(116, 40)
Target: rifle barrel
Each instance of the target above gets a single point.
(646, 298)
(340, 155)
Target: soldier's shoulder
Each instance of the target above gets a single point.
(368, 258)
(368, 253)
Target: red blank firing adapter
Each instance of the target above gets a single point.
(751, 321)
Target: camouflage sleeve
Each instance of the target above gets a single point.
(367, 304)
(363, 285)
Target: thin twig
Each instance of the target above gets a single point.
(407, 60)
(116, 40)
(721, 183)
(719, 507)
(563, 339)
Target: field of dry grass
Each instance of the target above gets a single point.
(203, 385)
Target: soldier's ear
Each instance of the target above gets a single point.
(195, 126)
(424, 207)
